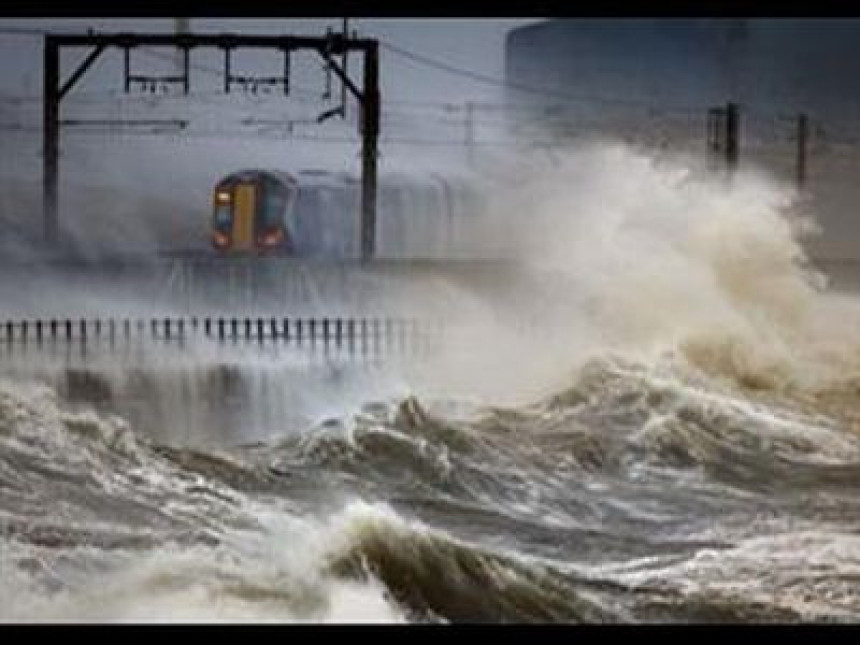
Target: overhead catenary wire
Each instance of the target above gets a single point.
(847, 136)
(307, 95)
(236, 134)
(427, 61)
(440, 65)
(510, 85)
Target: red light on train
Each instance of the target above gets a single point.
(272, 238)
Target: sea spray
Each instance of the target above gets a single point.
(647, 257)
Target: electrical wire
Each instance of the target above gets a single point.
(663, 110)
(498, 82)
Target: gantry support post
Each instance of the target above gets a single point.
(732, 137)
(802, 136)
(368, 96)
(369, 141)
(50, 138)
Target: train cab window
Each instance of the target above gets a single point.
(222, 216)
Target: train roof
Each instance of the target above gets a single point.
(321, 178)
(313, 177)
(253, 173)
(324, 178)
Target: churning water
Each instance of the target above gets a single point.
(662, 427)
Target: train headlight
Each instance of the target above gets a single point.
(220, 240)
(272, 237)
(222, 196)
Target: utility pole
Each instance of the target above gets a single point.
(715, 137)
(732, 136)
(369, 140)
(724, 136)
(802, 136)
(51, 133)
(343, 64)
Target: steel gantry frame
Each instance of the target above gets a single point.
(328, 46)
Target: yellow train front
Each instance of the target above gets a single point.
(249, 212)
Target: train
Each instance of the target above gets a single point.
(315, 214)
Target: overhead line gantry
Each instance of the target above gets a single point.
(328, 46)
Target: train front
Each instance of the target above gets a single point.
(250, 210)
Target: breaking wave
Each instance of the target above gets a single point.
(657, 423)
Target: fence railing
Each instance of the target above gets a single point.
(352, 334)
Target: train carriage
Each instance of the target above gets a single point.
(314, 213)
